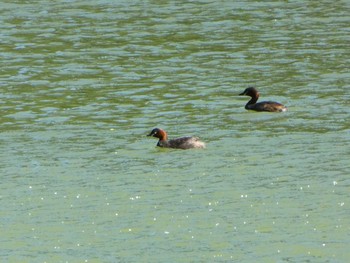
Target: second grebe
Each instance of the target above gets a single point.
(252, 104)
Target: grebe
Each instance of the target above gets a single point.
(179, 143)
(270, 106)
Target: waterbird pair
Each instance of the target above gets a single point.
(194, 142)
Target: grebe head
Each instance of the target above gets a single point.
(158, 133)
(251, 91)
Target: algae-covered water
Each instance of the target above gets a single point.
(83, 82)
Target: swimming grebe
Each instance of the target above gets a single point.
(179, 143)
(261, 106)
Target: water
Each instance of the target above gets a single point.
(83, 82)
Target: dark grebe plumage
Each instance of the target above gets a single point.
(252, 104)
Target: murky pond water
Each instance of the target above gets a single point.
(83, 82)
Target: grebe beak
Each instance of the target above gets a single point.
(151, 133)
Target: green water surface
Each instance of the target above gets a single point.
(83, 82)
